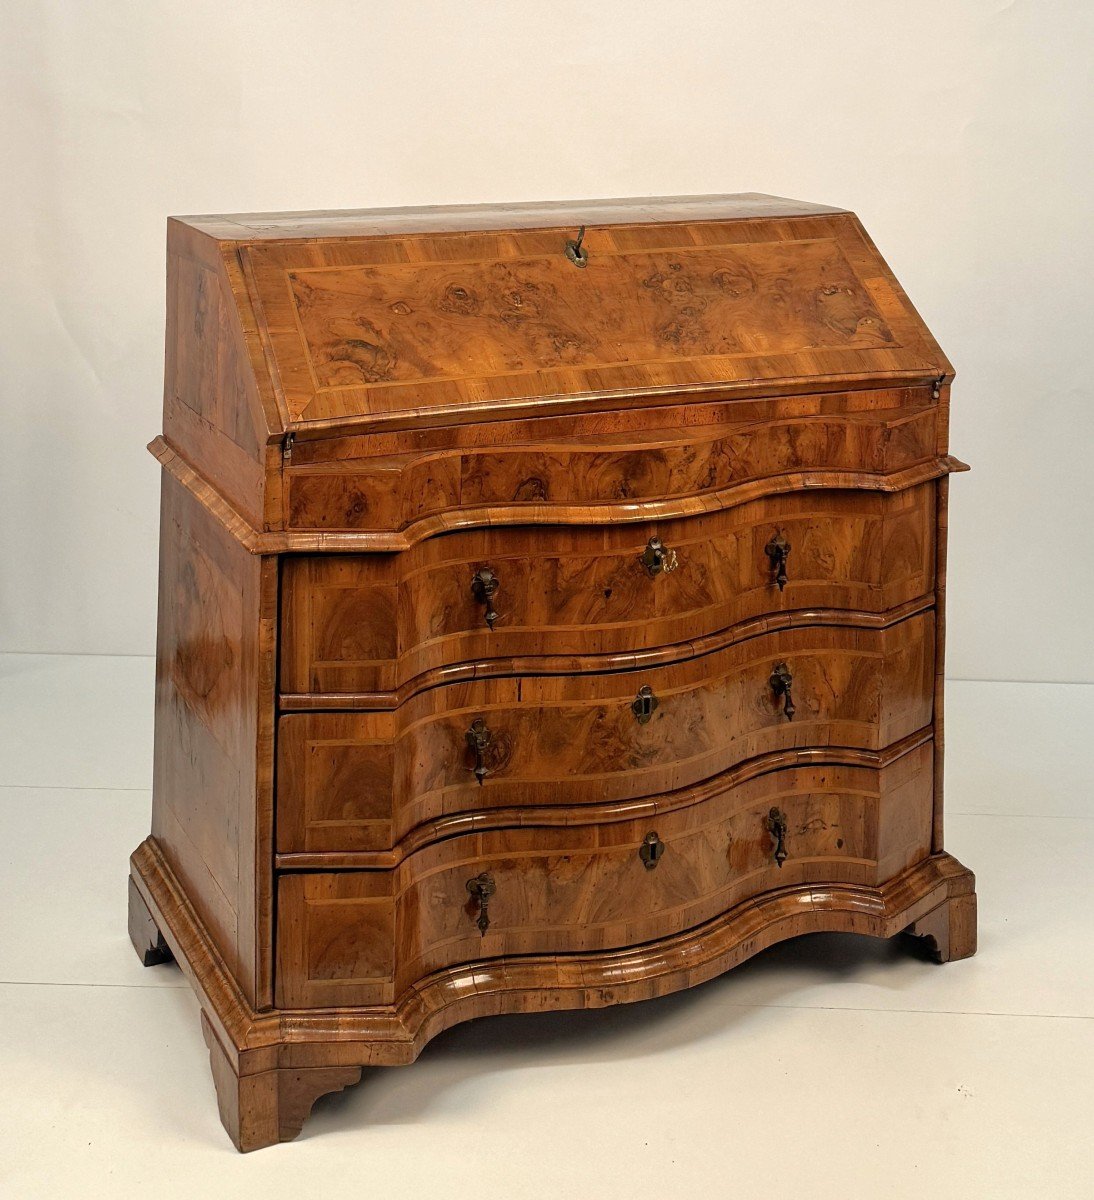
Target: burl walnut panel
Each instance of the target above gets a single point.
(360, 781)
(382, 326)
(547, 480)
(363, 937)
(365, 623)
(434, 319)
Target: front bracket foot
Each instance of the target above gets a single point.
(269, 1106)
(949, 931)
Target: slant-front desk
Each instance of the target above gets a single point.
(551, 616)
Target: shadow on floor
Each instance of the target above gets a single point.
(468, 1054)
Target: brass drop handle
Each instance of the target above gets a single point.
(778, 550)
(484, 584)
(651, 850)
(643, 704)
(777, 826)
(481, 888)
(478, 741)
(781, 682)
(658, 558)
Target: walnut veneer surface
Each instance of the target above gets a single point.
(547, 619)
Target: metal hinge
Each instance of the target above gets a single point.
(286, 445)
(936, 390)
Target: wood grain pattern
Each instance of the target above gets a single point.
(363, 411)
(570, 664)
(351, 780)
(645, 807)
(949, 930)
(394, 492)
(941, 547)
(387, 1036)
(365, 937)
(266, 1107)
(383, 326)
(396, 1034)
(440, 320)
(213, 409)
(212, 774)
(374, 622)
(366, 541)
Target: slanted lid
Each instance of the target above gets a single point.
(425, 316)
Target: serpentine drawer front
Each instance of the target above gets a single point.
(371, 623)
(693, 461)
(551, 615)
(578, 887)
(350, 781)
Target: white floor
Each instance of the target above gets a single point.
(831, 1067)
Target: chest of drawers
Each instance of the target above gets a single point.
(551, 615)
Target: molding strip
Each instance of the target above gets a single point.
(371, 541)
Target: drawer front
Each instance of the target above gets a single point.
(547, 480)
(557, 740)
(364, 937)
(366, 623)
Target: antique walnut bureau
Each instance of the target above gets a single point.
(551, 615)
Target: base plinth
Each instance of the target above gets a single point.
(271, 1066)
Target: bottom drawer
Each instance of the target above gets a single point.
(364, 937)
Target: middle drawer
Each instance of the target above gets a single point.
(557, 740)
(372, 623)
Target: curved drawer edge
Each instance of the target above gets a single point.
(390, 1036)
(670, 964)
(379, 541)
(607, 399)
(599, 664)
(529, 816)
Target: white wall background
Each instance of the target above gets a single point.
(959, 130)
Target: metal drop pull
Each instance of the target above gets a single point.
(651, 850)
(658, 558)
(478, 741)
(644, 704)
(481, 888)
(574, 251)
(483, 586)
(778, 550)
(781, 682)
(777, 826)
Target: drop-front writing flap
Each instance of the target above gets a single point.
(411, 324)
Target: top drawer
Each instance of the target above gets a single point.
(603, 467)
(372, 623)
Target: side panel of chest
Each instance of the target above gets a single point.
(213, 772)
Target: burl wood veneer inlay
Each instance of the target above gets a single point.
(551, 615)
